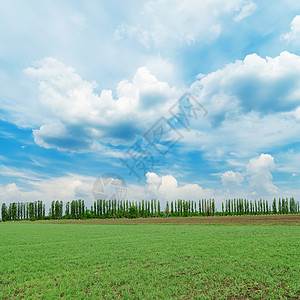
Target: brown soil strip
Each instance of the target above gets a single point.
(277, 219)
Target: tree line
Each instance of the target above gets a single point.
(103, 209)
(23, 211)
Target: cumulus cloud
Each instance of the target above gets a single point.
(250, 96)
(258, 96)
(231, 177)
(253, 106)
(70, 115)
(166, 188)
(75, 186)
(174, 21)
(293, 36)
(66, 188)
(255, 182)
(258, 177)
(259, 84)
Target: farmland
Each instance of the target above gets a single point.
(151, 261)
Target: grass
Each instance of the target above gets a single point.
(76, 261)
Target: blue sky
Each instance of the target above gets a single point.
(83, 82)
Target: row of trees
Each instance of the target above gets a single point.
(23, 211)
(260, 207)
(103, 209)
(126, 209)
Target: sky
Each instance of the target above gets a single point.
(175, 99)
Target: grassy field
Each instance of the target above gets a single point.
(79, 261)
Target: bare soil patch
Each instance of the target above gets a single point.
(274, 219)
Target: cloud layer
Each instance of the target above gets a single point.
(178, 22)
(293, 36)
(252, 107)
(69, 115)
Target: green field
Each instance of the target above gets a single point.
(76, 261)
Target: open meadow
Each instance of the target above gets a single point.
(150, 261)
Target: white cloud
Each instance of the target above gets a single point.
(231, 177)
(260, 177)
(69, 115)
(14, 172)
(254, 84)
(293, 36)
(162, 69)
(253, 106)
(75, 186)
(246, 11)
(67, 188)
(256, 178)
(166, 188)
(254, 182)
(174, 21)
(258, 183)
(240, 138)
(255, 96)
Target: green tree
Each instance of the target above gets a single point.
(132, 212)
(31, 211)
(67, 211)
(56, 213)
(53, 210)
(4, 213)
(82, 209)
(167, 209)
(279, 206)
(73, 215)
(158, 208)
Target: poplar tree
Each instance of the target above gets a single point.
(292, 206)
(152, 205)
(44, 211)
(167, 209)
(101, 208)
(98, 208)
(158, 208)
(279, 206)
(67, 211)
(27, 210)
(35, 210)
(283, 206)
(52, 209)
(95, 209)
(4, 213)
(31, 211)
(143, 208)
(82, 209)
(73, 215)
(60, 209)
